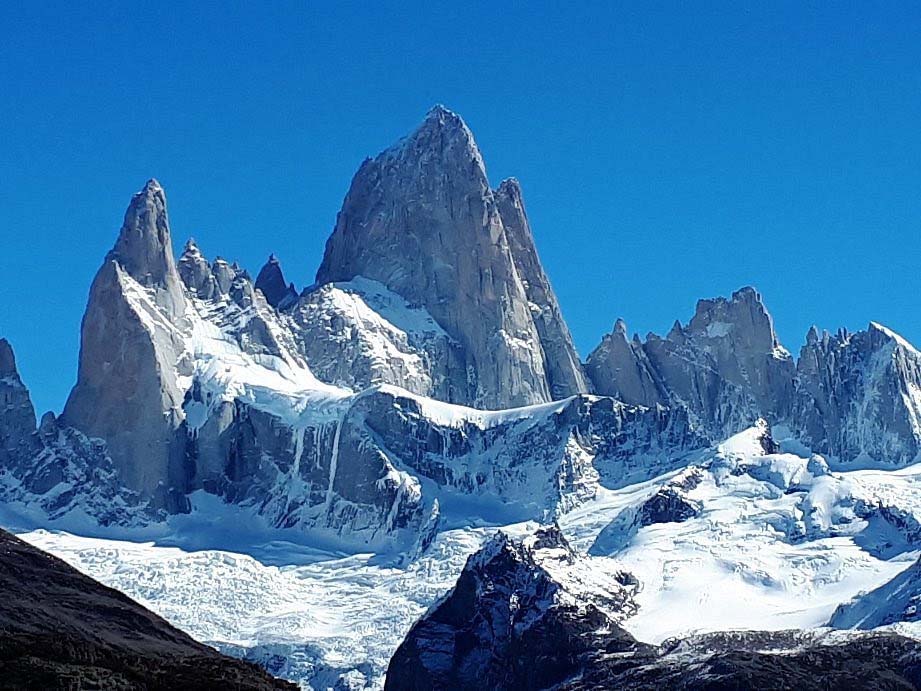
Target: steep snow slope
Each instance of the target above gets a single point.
(751, 536)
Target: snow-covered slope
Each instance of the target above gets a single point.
(311, 484)
(751, 536)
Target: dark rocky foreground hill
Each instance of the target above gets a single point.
(60, 629)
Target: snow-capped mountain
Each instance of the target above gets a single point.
(532, 614)
(349, 446)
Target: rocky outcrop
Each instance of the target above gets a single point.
(422, 220)
(725, 367)
(17, 416)
(128, 391)
(271, 281)
(61, 629)
(859, 397)
(360, 334)
(561, 364)
(619, 367)
(516, 619)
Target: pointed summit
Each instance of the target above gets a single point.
(7, 359)
(17, 416)
(129, 347)
(422, 220)
(144, 246)
(441, 143)
(271, 281)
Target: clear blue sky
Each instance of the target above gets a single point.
(668, 151)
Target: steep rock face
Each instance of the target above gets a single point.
(360, 334)
(17, 416)
(539, 461)
(54, 470)
(619, 367)
(271, 281)
(561, 364)
(516, 620)
(725, 367)
(127, 390)
(422, 220)
(61, 629)
(859, 397)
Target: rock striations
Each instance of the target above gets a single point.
(725, 366)
(128, 390)
(422, 220)
(343, 411)
(853, 397)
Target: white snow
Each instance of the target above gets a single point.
(778, 545)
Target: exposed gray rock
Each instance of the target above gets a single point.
(195, 272)
(725, 367)
(127, 391)
(359, 334)
(422, 220)
(619, 367)
(17, 416)
(561, 363)
(859, 397)
(515, 621)
(271, 281)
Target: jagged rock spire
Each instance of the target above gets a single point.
(421, 219)
(725, 366)
(144, 247)
(271, 281)
(127, 392)
(17, 415)
(7, 360)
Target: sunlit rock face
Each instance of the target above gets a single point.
(859, 397)
(128, 390)
(422, 220)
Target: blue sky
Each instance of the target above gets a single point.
(667, 151)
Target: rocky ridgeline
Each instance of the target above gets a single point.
(852, 397)
(342, 410)
(518, 619)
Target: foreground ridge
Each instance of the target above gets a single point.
(63, 629)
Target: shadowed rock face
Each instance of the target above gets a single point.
(61, 629)
(271, 281)
(510, 624)
(127, 391)
(422, 220)
(513, 622)
(17, 416)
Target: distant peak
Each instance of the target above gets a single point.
(441, 114)
(271, 281)
(511, 188)
(444, 134)
(152, 186)
(812, 337)
(891, 335)
(620, 327)
(7, 359)
(747, 294)
(191, 247)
